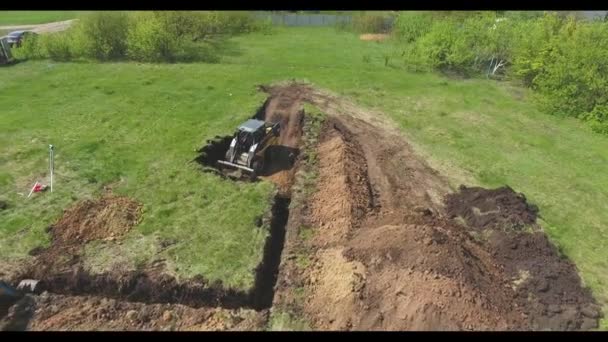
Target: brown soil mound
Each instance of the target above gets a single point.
(500, 208)
(390, 267)
(400, 263)
(546, 285)
(61, 313)
(107, 218)
(374, 37)
(344, 196)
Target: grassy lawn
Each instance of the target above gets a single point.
(35, 17)
(137, 125)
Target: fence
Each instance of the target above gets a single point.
(293, 19)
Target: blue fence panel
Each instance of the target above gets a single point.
(304, 19)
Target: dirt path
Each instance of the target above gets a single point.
(41, 28)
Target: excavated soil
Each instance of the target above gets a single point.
(61, 313)
(389, 253)
(546, 284)
(500, 208)
(392, 248)
(107, 218)
(374, 37)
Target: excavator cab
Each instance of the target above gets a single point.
(249, 148)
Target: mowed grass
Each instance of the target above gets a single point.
(35, 17)
(136, 126)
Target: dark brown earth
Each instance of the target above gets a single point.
(546, 284)
(385, 254)
(107, 218)
(500, 208)
(392, 247)
(60, 313)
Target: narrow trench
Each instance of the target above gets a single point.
(141, 287)
(268, 270)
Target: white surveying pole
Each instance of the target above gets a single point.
(51, 164)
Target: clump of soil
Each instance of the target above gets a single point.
(500, 208)
(110, 217)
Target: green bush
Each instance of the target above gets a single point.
(149, 40)
(31, 48)
(152, 36)
(410, 26)
(58, 46)
(598, 119)
(237, 22)
(106, 35)
(562, 58)
(532, 45)
(574, 78)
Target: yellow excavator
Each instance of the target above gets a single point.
(249, 149)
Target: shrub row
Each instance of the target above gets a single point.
(563, 58)
(152, 36)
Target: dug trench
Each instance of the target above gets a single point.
(62, 276)
(384, 243)
(380, 243)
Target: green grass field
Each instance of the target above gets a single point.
(136, 125)
(35, 17)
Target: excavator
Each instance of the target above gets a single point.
(249, 149)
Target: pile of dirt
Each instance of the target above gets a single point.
(500, 208)
(109, 217)
(377, 37)
(546, 285)
(85, 313)
(385, 266)
(401, 262)
(344, 195)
